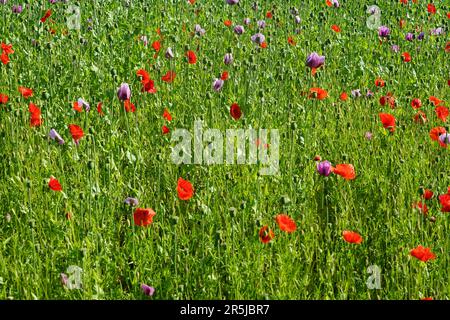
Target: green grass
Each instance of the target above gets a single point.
(208, 247)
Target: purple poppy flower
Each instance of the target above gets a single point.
(437, 31)
(232, 2)
(383, 31)
(335, 3)
(144, 39)
(169, 54)
(64, 279)
(356, 93)
(55, 136)
(124, 92)
(369, 94)
(324, 168)
(147, 290)
(395, 48)
(239, 30)
(258, 38)
(199, 30)
(82, 103)
(261, 24)
(445, 138)
(228, 59)
(131, 201)
(314, 60)
(17, 8)
(247, 21)
(368, 135)
(218, 84)
(421, 36)
(409, 36)
(298, 20)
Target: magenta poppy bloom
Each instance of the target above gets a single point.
(261, 24)
(258, 38)
(218, 84)
(228, 59)
(297, 19)
(232, 2)
(444, 138)
(247, 21)
(124, 92)
(324, 168)
(239, 30)
(199, 30)
(169, 54)
(409, 36)
(131, 201)
(147, 290)
(314, 60)
(395, 48)
(368, 135)
(383, 31)
(82, 103)
(17, 8)
(55, 136)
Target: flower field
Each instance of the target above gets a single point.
(119, 179)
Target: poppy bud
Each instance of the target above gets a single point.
(324, 168)
(317, 158)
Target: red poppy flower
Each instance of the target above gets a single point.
(335, 28)
(165, 129)
(46, 16)
(447, 49)
(352, 237)
(168, 77)
(416, 103)
(184, 189)
(388, 98)
(428, 194)
(291, 41)
(167, 115)
(442, 113)
(156, 45)
(321, 94)
(388, 121)
(435, 101)
(421, 206)
(286, 223)
(444, 199)
(436, 132)
(191, 1)
(329, 3)
(7, 48)
(227, 23)
(149, 86)
(269, 15)
(404, 1)
(143, 217)
(76, 132)
(35, 115)
(192, 58)
(379, 82)
(3, 98)
(423, 254)
(402, 23)
(431, 8)
(263, 45)
(4, 57)
(420, 117)
(26, 92)
(143, 74)
(235, 111)
(406, 57)
(99, 108)
(266, 234)
(346, 171)
(129, 107)
(77, 107)
(343, 96)
(427, 298)
(54, 184)
(224, 75)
